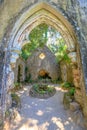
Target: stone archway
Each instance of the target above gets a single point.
(40, 13)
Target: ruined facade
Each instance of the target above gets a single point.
(43, 62)
(69, 17)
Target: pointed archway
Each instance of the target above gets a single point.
(40, 13)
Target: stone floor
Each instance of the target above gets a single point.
(43, 114)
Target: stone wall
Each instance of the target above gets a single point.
(72, 10)
(66, 72)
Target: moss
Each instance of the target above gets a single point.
(15, 99)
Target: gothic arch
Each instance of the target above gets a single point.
(40, 13)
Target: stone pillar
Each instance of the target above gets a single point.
(63, 71)
(76, 81)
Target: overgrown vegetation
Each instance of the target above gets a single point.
(72, 91)
(67, 85)
(38, 38)
(42, 89)
(70, 87)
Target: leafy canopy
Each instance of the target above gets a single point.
(46, 35)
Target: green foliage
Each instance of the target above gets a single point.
(50, 89)
(67, 85)
(17, 84)
(62, 53)
(72, 91)
(70, 87)
(38, 38)
(28, 49)
(36, 87)
(42, 89)
(46, 35)
(56, 46)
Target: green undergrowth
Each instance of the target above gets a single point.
(69, 87)
(42, 89)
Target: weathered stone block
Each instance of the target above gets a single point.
(78, 118)
(73, 57)
(78, 96)
(76, 84)
(74, 106)
(76, 77)
(8, 101)
(66, 101)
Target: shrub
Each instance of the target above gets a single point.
(36, 87)
(70, 87)
(72, 91)
(50, 89)
(67, 85)
(42, 89)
